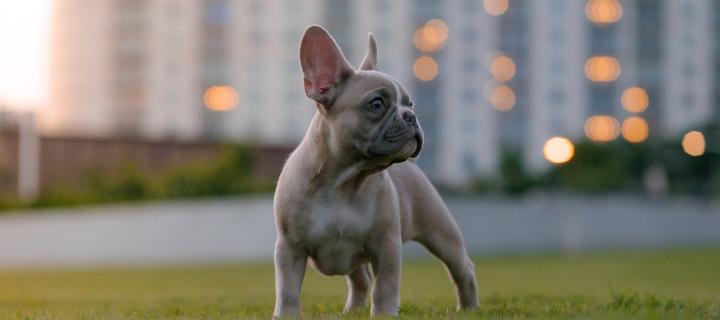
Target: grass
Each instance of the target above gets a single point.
(679, 284)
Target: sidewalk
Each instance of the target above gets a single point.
(241, 229)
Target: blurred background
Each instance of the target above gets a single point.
(550, 124)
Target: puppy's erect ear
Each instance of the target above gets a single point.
(323, 64)
(370, 60)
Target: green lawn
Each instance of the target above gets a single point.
(652, 285)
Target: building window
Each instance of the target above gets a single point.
(469, 65)
(558, 125)
(557, 7)
(557, 65)
(383, 35)
(688, 69)
(254, 97)
(218, 14)
(600, 97)
(556, 96)
(470, 6)
(557, 35)
(468, 162)
(688, 40)
(382, 6)
(688, 101)
(256, 37)
(688, 10)
(256, 7)
(294, 6)
(469, 35)
(468, 96)
(468, 127)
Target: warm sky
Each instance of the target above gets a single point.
(24, 47)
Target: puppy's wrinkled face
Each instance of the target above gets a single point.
(375, 114)
(369, 114)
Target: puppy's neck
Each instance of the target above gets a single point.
(331, 167)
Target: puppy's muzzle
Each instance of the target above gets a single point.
(418, 142)
(411, 120)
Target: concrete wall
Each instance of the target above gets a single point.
(8, 162)
(66, 162)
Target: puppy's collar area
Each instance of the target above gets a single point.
(331, 173)
(346, 175)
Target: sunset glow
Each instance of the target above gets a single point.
(25, 39)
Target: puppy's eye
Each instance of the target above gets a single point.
(376, 105)
(410, 104)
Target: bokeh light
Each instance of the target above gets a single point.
(502, 98)
(693, 143)
(502, 68)
(432, 36)
(425, 68)
(635, 129)
(558, 150)
(495, 7)
(602, 69)
(602, 128)
(603, 12)
(221, 98)
(635, 99)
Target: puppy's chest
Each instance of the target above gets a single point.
(336, 237)
(337, 221)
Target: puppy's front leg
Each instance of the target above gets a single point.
(387, 264)
(290, 266)
(358, 288)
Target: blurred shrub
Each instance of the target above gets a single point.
(715, 185)
(621, 166)
(616, 167)
(514, 179)
(231, 173)
(6, 203)
(693, 175)
(477, 185)
(59, 198)
(595, 168)
(129, 185)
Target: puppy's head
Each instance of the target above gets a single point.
(369, 114)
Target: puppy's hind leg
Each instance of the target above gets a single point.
(359, 283)
(441, 236)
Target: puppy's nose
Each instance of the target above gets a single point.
(409, 117)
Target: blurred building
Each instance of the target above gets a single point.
(495, 76)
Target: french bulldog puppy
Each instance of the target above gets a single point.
(348, 198)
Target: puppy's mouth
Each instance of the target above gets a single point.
(418, 144)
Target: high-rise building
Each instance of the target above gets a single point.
(80, 98)
(497, 76)
(125, 68)
(687, 64)
(555, 89)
